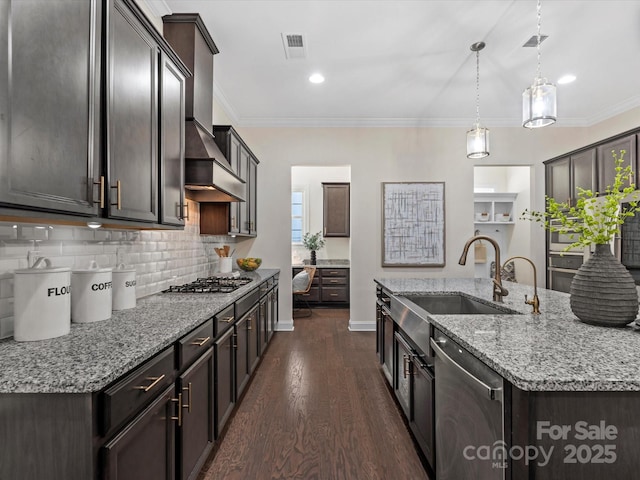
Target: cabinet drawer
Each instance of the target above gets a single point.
(329, 281)
(335, 272)
(223, 320)
(194, 344)
(245, 303)
(313, 295)
(137, 389)
(335, 294)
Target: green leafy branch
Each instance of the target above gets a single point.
(594, 219)
(313, 241)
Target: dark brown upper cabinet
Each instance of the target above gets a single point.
(132, 117)
(172, 101)
(567, 174)
(50, 105)
(606, 162)
(336, 205)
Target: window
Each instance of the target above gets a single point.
(297, 216)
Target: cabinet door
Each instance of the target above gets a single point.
(253, 339)
(132, 120)
(606, 163)
(583, 172)
(171, 144)
(387, 364)
(242, 354)
(336, 209)
(234, 155)
(263, 321)
(145, 448)
(422, 421)
(252, 187)
(558, 185)
(224, 378)
(49, 104)
(243, 207)
(403, 374)
(196, 435)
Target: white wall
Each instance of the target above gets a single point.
(397, 154)
(310, 179)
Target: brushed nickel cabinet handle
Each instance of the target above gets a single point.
(182, 207)
(179, 402)
(118, 188)
(200, 341)
(155, 381)
(226, 319)
(188, 390)
(101, 191)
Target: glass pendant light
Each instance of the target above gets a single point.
(477, 137)
(539, 100)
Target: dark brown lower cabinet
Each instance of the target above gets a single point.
(422, 417)
(264, 312)
(414, 389)
(242, 354)
(387, 346)
(145, 448)
(225, 398)
(402, 377)
(196, 434)
(253, 339)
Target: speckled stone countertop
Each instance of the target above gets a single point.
(553, 351)
(95, 354)
(326, 263)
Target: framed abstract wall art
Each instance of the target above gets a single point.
(413, 224)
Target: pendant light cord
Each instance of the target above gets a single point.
(477, 87)
(538, 44)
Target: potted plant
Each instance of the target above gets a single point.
(313, 242)
(602, 291)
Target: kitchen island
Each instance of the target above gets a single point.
(569, 389)
(143, 395)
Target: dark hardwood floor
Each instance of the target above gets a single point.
(317, 408)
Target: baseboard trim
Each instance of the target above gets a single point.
(362, 326)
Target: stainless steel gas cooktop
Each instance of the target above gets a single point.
(210, 285)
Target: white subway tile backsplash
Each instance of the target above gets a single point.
(160, 258)
(61, 233)
(6, 327)
(8, 232)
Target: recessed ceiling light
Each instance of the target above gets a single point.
(316, 78)
(566, 79)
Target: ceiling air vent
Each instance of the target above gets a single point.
(533, 41)
(294, 46)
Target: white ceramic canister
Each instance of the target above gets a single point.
(91, 294)
(42, 296)
(124, 288)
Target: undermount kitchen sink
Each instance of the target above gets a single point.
(456, 305)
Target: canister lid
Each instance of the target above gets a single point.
(121, 269)
(42, 265)
(93, 268)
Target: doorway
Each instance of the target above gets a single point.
(501, 194)
(331, 286)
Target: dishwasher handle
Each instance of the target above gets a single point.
(491, 392)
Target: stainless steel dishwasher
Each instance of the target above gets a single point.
(469, 415)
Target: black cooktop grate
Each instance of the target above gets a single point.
(210, 285)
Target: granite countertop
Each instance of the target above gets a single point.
(552, 351)
(93, 355)
(325, 263)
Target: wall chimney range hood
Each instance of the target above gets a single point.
(208, 174)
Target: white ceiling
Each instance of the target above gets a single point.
(404, 63)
